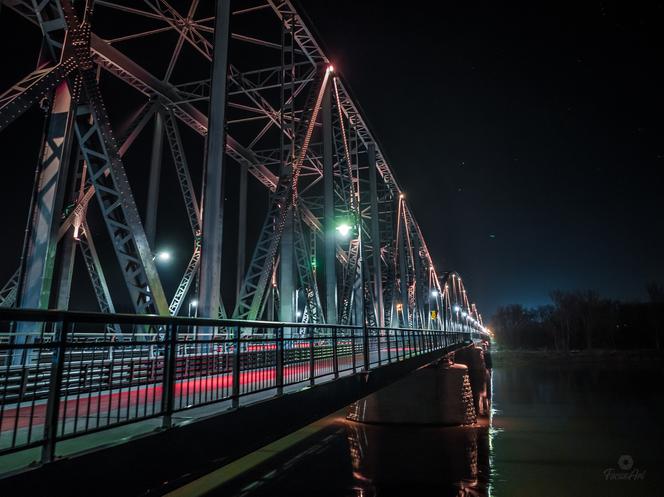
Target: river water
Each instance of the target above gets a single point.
(556, 429)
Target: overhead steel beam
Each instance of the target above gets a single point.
(31, 89)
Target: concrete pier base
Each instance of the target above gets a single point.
(438, 394)
(474, 359)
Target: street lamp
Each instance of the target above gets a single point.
(162, 256)
(193, 304)
(434, 293)
(344, 229)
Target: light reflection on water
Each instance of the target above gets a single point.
(349, 459)
(551, 431)
(389, 460)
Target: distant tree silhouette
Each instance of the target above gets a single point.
(656, 312)
(655, 292)
(583, 320)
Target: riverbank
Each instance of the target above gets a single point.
(511, 358)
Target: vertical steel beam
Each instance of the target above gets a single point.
(67, 258)
(330, 251)
(210, 276)
(242, 229)
(41, 235)
(403, 273)
(287, 290)
(287, 272)
(375, 235)
(155, 177)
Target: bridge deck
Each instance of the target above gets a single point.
(64, 388)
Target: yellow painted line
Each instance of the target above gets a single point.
(223, 475)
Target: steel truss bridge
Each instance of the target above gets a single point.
(216, 90)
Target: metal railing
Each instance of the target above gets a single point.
(69, 375)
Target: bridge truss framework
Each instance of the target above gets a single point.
(338, 243)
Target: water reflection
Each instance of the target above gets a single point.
(553, 430)
(405, 460)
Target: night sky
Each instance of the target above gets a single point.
(527, 137)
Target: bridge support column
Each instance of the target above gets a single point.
(375, 237)
(287, 274)
(436, 394)
(210, 271)
(329, 222)
(41, 234)
(38, 258)
(403, 273)
(242, 229)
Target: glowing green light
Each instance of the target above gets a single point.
(344, 229)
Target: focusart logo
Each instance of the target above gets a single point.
(625, 470)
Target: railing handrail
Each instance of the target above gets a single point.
(55, 315)
(175, 369)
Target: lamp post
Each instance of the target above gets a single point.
(432, 320)
(456, 321)
(193, 304)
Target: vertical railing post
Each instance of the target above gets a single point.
(312, 359)
(335, 352)
(378, 333)
(235, 395)
(168, 385)
(54, 387)
(403, 345)
(365, 345)
(389, 354)
(353, 340)
(280, 360)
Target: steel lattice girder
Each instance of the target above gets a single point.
(250, 301)
(101, 155)
(96, 274)
(179, 98)
(119, 211)
(191, 205)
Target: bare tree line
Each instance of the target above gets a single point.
(583, 320)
